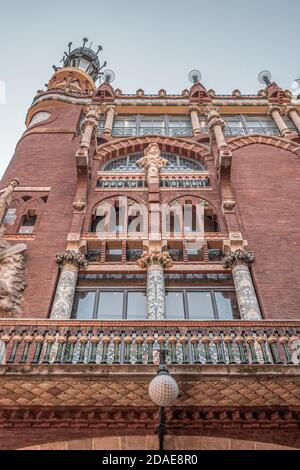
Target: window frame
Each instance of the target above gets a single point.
(184, 290)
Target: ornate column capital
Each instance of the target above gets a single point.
(273, 108)
(234, 258)
(215, 121)
(292, 109)
(155, 256)
(110, 107)
(91, 118)
(211, 111)
(194, 107)
(73, 258)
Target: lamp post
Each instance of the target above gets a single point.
(163, 391)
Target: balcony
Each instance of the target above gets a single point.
(36, 342)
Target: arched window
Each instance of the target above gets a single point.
(28, 221)
(176, 163)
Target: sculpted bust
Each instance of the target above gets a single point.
(152, 161)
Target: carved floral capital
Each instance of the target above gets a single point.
(216, 121)
(152, 257)
(234, 258)
(72, 257)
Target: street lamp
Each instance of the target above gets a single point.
(163, 391)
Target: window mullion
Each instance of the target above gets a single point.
(214, 304)
(185, 306)
(96, 305)
(244, 122)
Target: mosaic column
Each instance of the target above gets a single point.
(275, 113)
(293, 113)
(109, 122)
(216, 125)
(70, 261)
(239, 261)
(194, 113)
(155, 261)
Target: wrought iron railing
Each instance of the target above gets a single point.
(121, 342)
(173, 131)
(231, 131)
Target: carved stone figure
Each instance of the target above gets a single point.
(5, 197)
(12, 263)
(152, 161)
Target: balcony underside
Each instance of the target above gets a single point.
(106, 400)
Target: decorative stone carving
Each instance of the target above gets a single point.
(91, 118)
(152, 161)
(5, 197)
(79, 205)
(229, 205)
(72, 258)
(216, 121)
(238, 257)
(12, 278)
(155, 256)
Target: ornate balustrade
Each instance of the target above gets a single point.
(123, 342)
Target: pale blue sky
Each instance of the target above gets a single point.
(150, 44)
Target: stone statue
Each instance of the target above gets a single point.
(5, 197)
(12, 263)
(152, 161)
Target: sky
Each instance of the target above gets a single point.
(149, 44)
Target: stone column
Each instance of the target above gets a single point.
(155, 261)
(239, 261)
(194, 113)
(293, 113)
(71, 261)
(275, 113)
(216, 125)
(88, 125)
(109, 122)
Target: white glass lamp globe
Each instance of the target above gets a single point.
(163, 390)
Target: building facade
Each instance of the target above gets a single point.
(132, 224)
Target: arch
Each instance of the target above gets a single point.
(118, 214)
(188, 206)
(182, 147)
(279, 142)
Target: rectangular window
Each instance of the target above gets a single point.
(83, 306)
(110, 305)
(200, 306)
(227, 305)
(136, 305)
(174, 306)
(131, 304)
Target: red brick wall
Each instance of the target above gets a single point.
(47, 159)
(266, 184)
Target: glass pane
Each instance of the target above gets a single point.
(227, 305)
(200, 306)
(174, 306)
(136, 306)
(83, 305)
(110, 305)
(180, 122)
